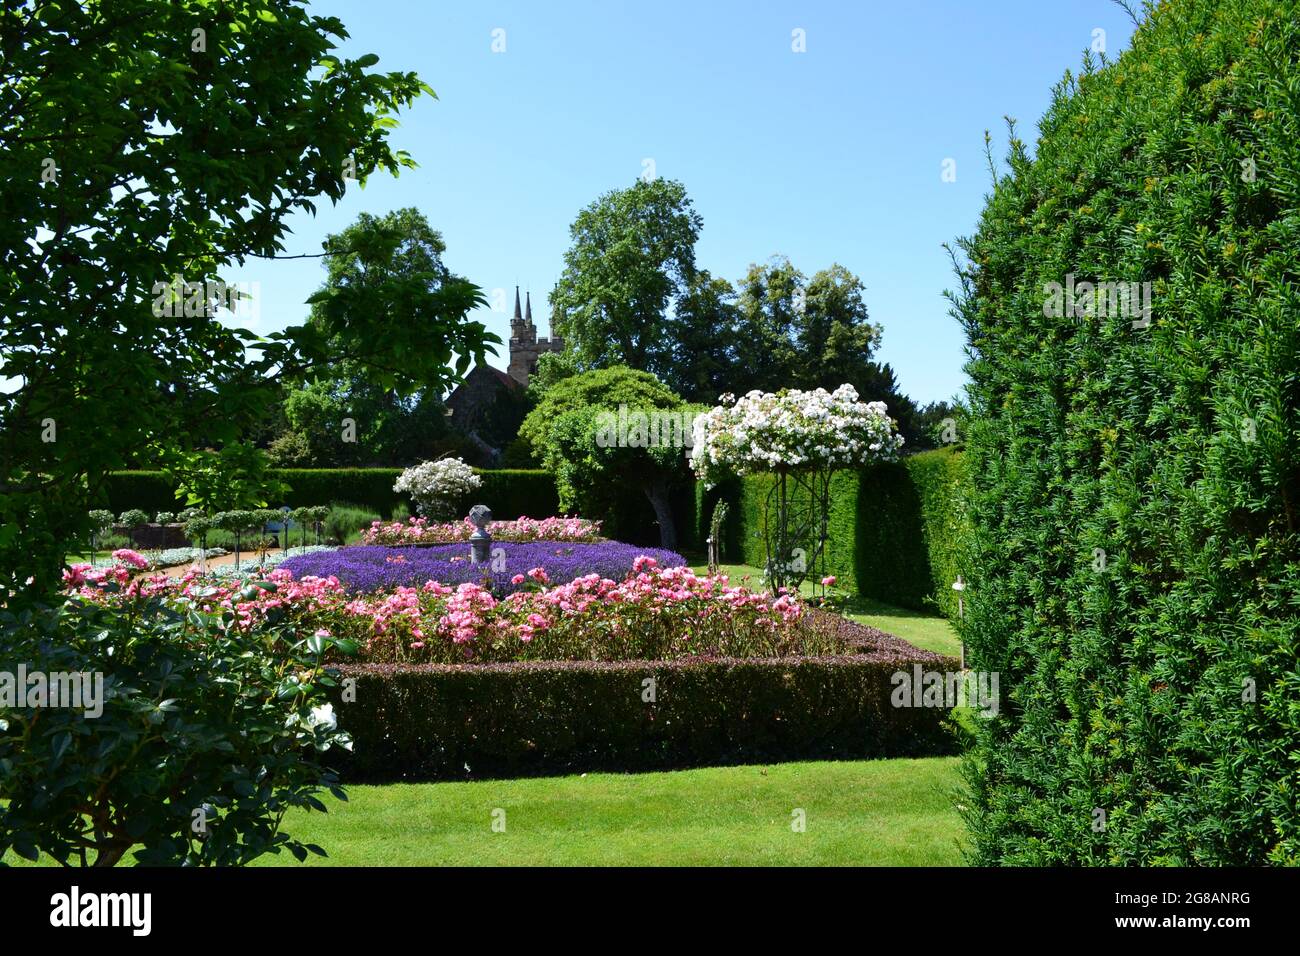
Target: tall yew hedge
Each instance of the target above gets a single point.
(1135, 564)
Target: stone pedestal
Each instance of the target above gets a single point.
(480, 542)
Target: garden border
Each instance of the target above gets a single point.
(441, 721)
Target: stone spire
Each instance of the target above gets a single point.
(525, 346)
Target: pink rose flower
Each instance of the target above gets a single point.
(133, 558)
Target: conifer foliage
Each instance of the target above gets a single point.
(1134, 574)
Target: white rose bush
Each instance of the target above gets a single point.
(801, 437)
(437, 487)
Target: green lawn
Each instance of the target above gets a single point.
(867, 813)
(929, 632)
(870, 813)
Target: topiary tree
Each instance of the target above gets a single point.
(264, 518)
(101, 522)
(610, 428)
(196, 528)
(301, 517)
(1133, 443)
(238, 523)
(317, 514)
(133, 518)
(801, 437)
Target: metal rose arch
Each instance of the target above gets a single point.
(796, 515)
(800, 437)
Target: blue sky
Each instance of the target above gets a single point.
(830, 155)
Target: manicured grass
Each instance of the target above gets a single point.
(865, 813)
(930, 632)
(870, 813)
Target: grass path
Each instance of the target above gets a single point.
(868, 813)
(856, 813)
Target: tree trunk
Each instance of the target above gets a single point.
(657, 492)
(109, 856)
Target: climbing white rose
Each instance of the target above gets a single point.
(791, 429)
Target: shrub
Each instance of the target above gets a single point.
(238, 523)
(133, 518)
(148, 490)
(197, 528)
(1135, 479)
(208, 734)
(429, 721)
(940, 480)
(101, 521)
(438, 487)
(340, 522)
(369, 488)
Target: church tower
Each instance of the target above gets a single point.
(525, 346)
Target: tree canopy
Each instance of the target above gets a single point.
(632, 294)
(150, 147)
(602, 429)
(347, 412)
(632, 255)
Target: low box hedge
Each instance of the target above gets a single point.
(509, 492)
(432, 721)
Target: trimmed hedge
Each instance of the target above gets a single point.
(150, 491)
(1136, 488)
(508, 492)
(431, 721)
(940, 482)
(895, 527)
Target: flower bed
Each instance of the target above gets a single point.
(433, 721)
(651, 613)
(365, 568)
(662, 668)
(423, 531)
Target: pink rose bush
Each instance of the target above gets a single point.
(133, 558)
(423, 531)
(654, 613)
